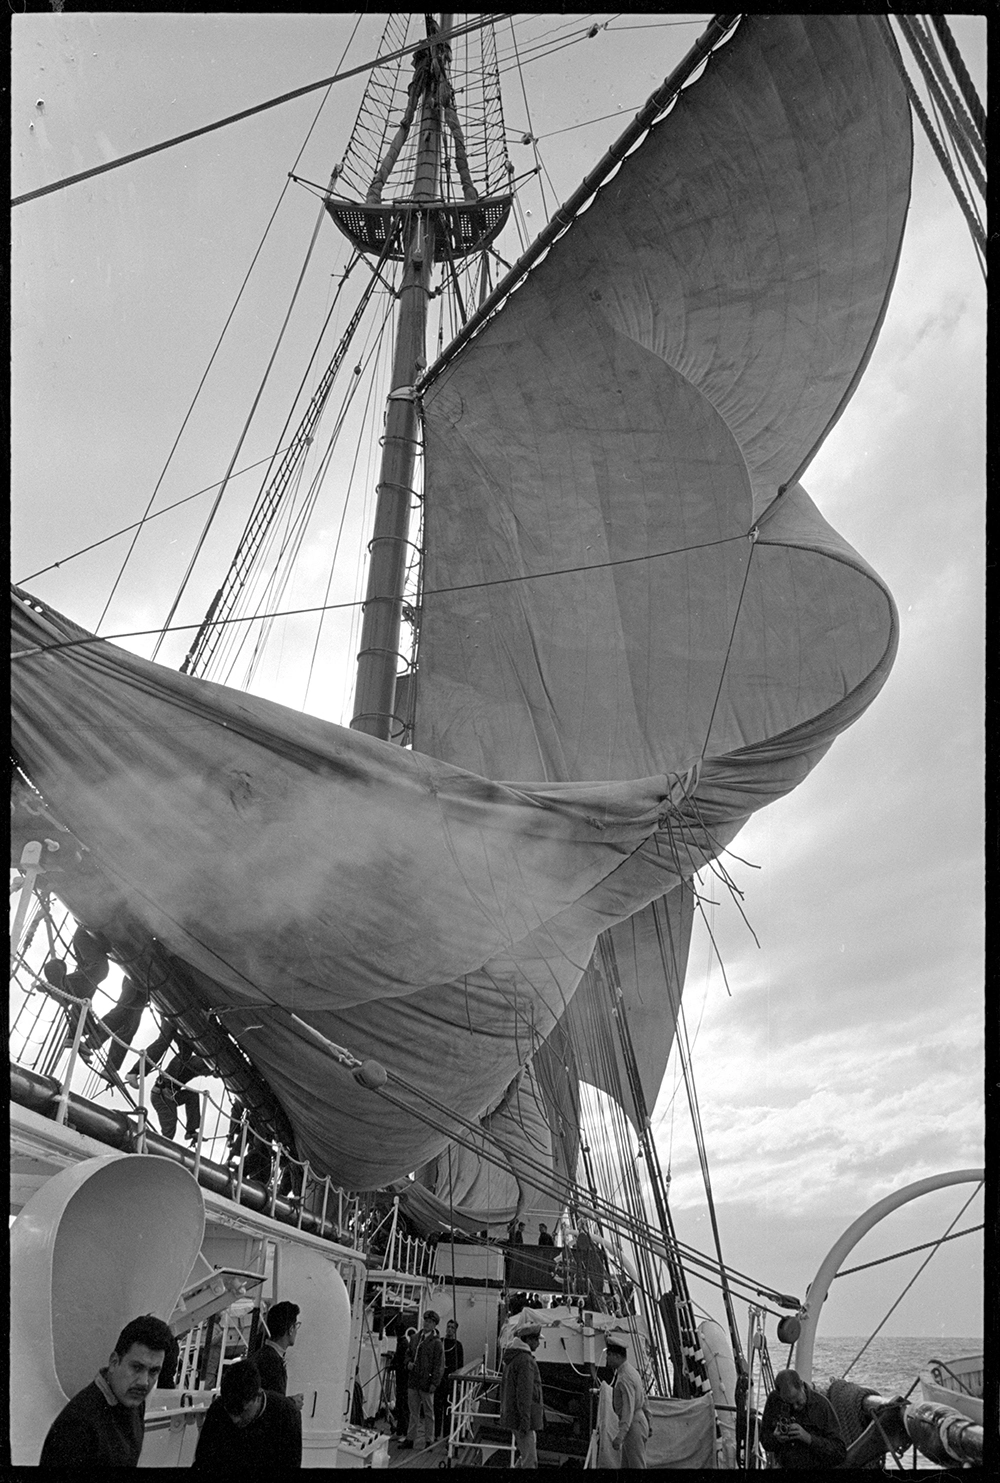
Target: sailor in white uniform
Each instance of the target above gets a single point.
(628, 1397)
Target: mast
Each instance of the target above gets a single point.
(379, 653)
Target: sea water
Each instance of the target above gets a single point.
(887, 1365)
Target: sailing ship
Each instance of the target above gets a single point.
(604, 625)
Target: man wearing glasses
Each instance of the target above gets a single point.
(282, 1325)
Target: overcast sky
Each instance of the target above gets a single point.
(847, 1058)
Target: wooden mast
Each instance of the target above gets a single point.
(379, 653)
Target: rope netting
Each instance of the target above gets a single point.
(473, 93)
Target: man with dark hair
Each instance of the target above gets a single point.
(400, 1369)
(522, 1408)
(454, 1359)
(282, 1324)
(102, 1426)
(425, 1372)
(628, 1399)
(248, 1428)
(799, 1426)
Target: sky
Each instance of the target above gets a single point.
(845, 1057)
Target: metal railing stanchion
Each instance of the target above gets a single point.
(275, 1179)
(142, 1115)
(30, 865)
(203, 1114)
(63, 1104)
(243, 1154)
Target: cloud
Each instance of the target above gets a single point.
(817, 1116)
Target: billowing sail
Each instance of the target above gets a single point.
(629, 604)
(419, 916)
(622, 574)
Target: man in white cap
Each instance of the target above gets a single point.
(521, 1405)
(628, 1397)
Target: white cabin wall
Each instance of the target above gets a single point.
(99, 1244)
(475, 1309)
(318, 1360)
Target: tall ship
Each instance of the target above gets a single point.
(359, 845)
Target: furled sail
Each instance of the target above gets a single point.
(622, 574)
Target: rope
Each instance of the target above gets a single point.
(527, 113)
(234, 118)
(268, 501)
(684, 1054)
(145, 520)
(332, 607)
(942, 159)
(961, 117)
(969, 1230)
(961, 72)
(917, 41)
(912, 1280)
(729, 647)
(246, 428)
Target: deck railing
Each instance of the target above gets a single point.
(48, 1038)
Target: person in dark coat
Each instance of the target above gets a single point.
(282, 1324)
(248, 1429)
(156, 1051)
(400, 1370)
(122, 1022)
(426, 1367)
(102, 1426)
(170, 1088)
(545, 1237)
(522, 1407)
(454, 1359)
(92, 968)
(799, 1426)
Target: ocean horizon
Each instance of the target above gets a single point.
(889, 1365)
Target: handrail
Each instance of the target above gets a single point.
(118, 1130)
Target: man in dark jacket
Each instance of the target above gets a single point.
(102, 1426)
(454, 1359)
(426, 1369)
(521, 1405)
(248, 1429)
(799, 1426)
(282, 1324)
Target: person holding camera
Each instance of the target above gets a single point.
(799, 1426)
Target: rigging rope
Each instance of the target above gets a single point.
(339, 536)
(912, 1280)
(919, 42)
(234, 118)
(332, 607)
(977, 233)
(145, 520)
(246, 428)
(527, 113)
(846, 1271)
(961, 72)
(684, 1055)
(958, 112)
(271, 496)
